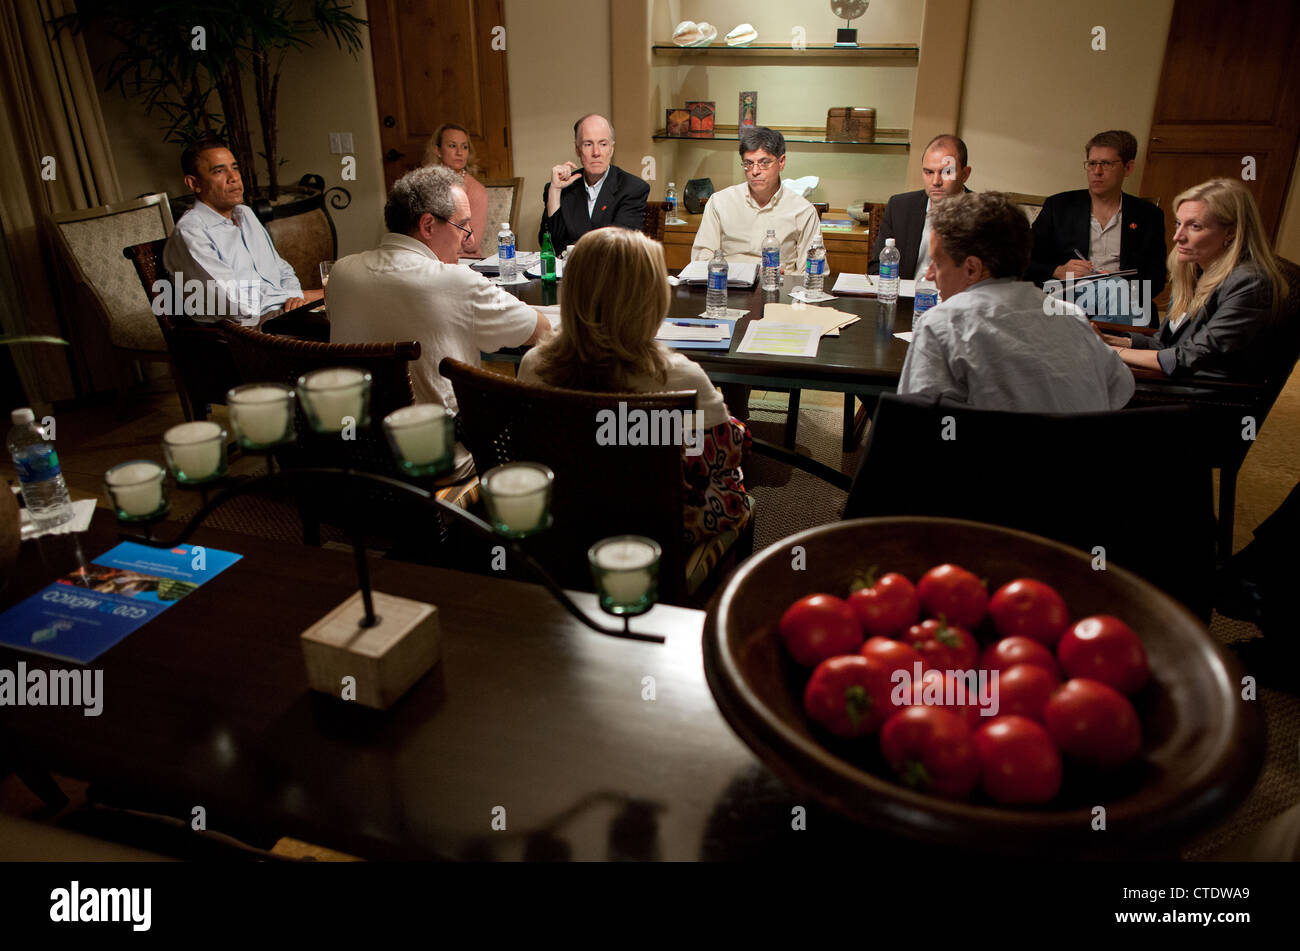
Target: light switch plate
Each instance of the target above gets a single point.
(346, 138)
(336, 143)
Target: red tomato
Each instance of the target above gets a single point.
(1104, 648)
(887, 607)
(849, 695)
(943, 646)
(931, 749)
(895, 655)
(1029, 608)
(1010, 651)
(954, 593)
(1024, 690)
(1018, 761)
(820, 626)
(951, 691)
(1093, 722)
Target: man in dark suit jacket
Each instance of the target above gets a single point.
(944, 171)
(1085, 221)
(602, 195)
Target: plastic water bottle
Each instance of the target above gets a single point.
(771, 262)
(670, 199)
(888, 290)
(814, 275)
(506, 253)
(927, 295)
(44, 491)
(716, 304)
(548, 259)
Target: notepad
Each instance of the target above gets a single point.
(739, 273)
(782, 340)
(863, 284)
(523, 260)
(696, 333)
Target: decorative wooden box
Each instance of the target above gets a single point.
(384, 661)
(850, 124)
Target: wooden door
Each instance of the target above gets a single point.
(1229, 90)
(434, 62)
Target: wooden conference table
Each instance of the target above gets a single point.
(866, 359)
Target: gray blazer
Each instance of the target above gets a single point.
(1227, 339)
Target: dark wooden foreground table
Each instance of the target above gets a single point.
(208, 705)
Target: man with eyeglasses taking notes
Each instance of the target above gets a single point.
(411, 288)
(1101, 229)
(738, 218)
(602, 195)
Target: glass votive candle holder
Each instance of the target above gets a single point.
(518, 498)
(422, 437)
(261, 414)
(195, 452)
(625, 569)
(329, 397)
(137, 489)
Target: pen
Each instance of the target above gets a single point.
(682, 323)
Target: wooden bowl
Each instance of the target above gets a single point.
(1202, 744)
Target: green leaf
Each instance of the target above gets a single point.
(30, 338)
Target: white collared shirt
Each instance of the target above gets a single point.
(593, 191)
(995, 346)
(923, 253)
(236, 251)
(1103, 243)
(735, 222)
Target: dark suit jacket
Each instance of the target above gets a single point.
(904, 220)
(1231, 338)
(1064, 225)
(621, 202)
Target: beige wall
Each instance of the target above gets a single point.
(1288, 230)
(1035, 91)
(548, 91)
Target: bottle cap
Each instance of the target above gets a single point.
(505, 226)
(889, 242)
(22, 415)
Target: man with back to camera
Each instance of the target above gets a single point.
(602, 195)
(410, 287)
(737, 219)
(220, 239)
(992, 343)
(944, 172)
(1101, 229)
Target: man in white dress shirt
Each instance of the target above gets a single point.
(993, 342)
(411, 288)
(738, 218)
(220, 243)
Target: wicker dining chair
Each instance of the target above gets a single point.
(599, 490)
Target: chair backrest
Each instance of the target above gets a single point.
(1136, 483)
(1031, 205)
(600, 490)
(502, 205)
(93, 240)
(656, 213)
(147, 260)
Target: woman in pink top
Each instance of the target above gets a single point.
(450, 146)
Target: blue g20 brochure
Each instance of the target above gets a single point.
(89, 610)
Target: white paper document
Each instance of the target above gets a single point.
(82, 512)
(864, 284)
(827, 321)
(535, 270)
(810, 297)
(676, 331)
(523, 259)
(782, 340)
(904, 335)
(739, 273)
(733, 313)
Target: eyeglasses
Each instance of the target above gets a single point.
(468, 231)
(1095, 164)
(761, 163)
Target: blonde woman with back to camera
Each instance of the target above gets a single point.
(1227, 291)
(616, 296)
(450, 146)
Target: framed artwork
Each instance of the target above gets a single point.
(701, 118)
(678, 122)
(748, 110)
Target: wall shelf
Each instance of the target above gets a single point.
(886, 140)
(878, 54)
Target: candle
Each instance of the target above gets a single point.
(517, 495)
(418, 433)
(196, 451)
(136, 488)
(625, 566)
(261, 413)
(332, 395)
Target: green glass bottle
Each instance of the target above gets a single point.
(548, 259)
